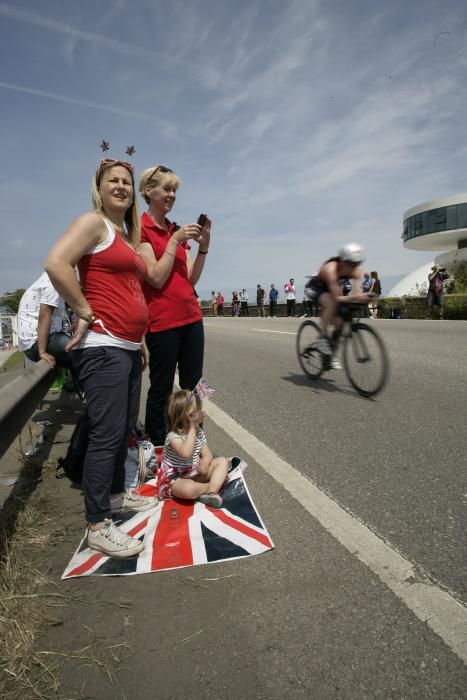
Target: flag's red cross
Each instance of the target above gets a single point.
(183, 533)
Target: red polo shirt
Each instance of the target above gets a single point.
(175, 304)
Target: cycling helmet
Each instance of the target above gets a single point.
(352, 253)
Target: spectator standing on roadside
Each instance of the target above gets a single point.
(107, 344)
(435, 296)
(220, 304)
(375, 289)
(244, 311)
(235, 304)
(41, 321)
(366, 283)
(214, 303)
(273, 294)
(175, 334)
(260, 294)
(306, 307)
(289, 289)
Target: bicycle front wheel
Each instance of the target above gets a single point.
(365, 360)
(310, 358)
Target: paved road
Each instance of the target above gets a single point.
(309, 619)
(396, 462)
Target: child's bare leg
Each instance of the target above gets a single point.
(188, 489)
(217, 474)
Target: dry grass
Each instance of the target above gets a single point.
(29, 601)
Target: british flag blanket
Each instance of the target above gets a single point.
(182, 533)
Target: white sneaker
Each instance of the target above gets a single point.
(324, 347)
(113, 542)
(130, 500)
(335, 364)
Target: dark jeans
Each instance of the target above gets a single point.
(220, 309)
(290, 307)
(111, 379)
(182, 346)
(55, 347)
(272, 307)
(244, 308)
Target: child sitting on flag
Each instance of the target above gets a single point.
(189, 470)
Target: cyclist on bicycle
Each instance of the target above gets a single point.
(326, 288)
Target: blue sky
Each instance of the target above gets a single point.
(297, 125)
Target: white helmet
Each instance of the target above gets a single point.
(352, 253)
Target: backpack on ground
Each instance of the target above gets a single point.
(72, 464)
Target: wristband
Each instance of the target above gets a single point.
(203, 252)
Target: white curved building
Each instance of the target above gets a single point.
(439, 225)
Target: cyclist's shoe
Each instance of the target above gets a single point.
(324, 346)
(335, 364)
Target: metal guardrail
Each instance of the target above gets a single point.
(19, 400)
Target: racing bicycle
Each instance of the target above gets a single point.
(364, 355)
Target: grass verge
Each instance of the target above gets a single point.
(29, 601)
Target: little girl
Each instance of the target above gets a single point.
(189, 470)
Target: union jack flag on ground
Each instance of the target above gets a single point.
(203, 389)
(182, 533)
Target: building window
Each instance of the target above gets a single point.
(462, 216)
(451, 217)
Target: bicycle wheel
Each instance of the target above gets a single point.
(310, 358)
(365, 360)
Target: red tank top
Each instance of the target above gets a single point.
(175, 304)
(111, 281)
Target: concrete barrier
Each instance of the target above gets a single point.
(19, 399)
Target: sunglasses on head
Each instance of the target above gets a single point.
(159, 169)
(108, 161)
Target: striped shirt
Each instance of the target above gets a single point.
(172, 459)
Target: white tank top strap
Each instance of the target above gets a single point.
(103, 245)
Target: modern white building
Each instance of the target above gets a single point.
(439, 225)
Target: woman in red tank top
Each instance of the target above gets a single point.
(111, 315)
(175, 329)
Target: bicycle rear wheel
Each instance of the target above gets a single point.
(365, 360)
(310, 358)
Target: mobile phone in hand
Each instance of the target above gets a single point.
(201, 220)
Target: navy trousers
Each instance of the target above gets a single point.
(111, 380)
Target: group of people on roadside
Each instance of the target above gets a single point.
(134, 305)
(217, 303)
(240, 302)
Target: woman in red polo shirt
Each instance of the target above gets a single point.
(175, 329)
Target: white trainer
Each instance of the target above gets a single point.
(113, 542)
(130, 500)
(324, 347)
(335, 364)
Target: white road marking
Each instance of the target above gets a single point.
(431, 604)
(264, 330)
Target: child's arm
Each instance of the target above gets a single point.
(185, 448)
(205, 459)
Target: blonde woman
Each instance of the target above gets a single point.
(106, 344)
(175, 334)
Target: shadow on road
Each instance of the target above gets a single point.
(322, 384)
